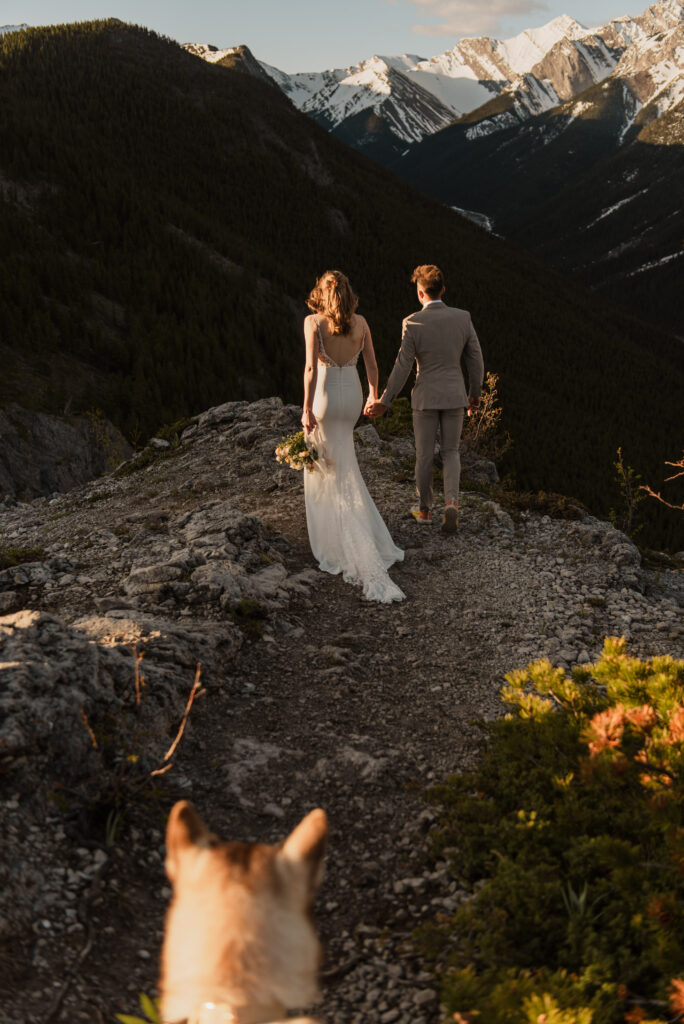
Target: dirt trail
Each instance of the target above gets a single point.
(349, 706)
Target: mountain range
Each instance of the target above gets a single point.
(385, 103)
(564, 138)
(162, 220)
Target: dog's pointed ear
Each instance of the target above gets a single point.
(185, 829)
(307, 843)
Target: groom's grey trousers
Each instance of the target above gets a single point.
(425, 424)
(436, 338)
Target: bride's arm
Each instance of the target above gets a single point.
(310, 374)
(371, 366)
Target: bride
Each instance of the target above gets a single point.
(346, 531)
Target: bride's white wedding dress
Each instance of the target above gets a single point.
(346, 531)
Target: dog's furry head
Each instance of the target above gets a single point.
(239, 928)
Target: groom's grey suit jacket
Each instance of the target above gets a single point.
(436, 337)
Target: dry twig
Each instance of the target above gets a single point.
(139, 679)
(88, 727)
(675, 476)
(181, 728)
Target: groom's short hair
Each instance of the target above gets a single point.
(429, 278)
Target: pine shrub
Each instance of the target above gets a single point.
(570, 837)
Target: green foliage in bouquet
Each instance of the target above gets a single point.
(294, 451)
(570, 836)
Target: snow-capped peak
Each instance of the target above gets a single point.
(403, 63)
(523, 51)
(210, 53)
(4, 29)
(673, 8)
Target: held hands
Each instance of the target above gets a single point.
(370, 402)
(374, 408)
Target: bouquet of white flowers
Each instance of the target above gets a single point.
(297, 452)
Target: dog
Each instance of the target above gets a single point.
(240, 945)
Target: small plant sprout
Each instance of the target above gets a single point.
(483, 432)
(629, 487)
(150, 1007)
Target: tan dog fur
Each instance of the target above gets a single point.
(239, 932)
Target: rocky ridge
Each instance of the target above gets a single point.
(309, 696)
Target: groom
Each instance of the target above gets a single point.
(436, 337)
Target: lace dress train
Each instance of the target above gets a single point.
(346, 531)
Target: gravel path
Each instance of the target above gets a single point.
(327, 701)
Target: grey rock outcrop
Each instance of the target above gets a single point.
(72, 732)
(41, 453)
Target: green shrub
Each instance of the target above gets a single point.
(148, 457)
(18, 556)
(171, 432)
(557, 506)
(406, 472)
(249, 615)
(106, 437)
(397, 421)
(573, 830)
(630, 497)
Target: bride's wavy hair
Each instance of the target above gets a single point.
(332, 296)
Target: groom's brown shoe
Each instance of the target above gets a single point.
(450, 517)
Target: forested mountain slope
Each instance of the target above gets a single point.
(163, 219)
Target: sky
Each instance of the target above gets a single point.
(311, 35)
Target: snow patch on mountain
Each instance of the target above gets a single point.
(5, 29)
(481, 219)
(492, 124)
(599, 68)
(534, 96)
(631, 105)
(406, 62)
(453, 82)
(657, 263)
(525, 50)
(668, 78)
(616, 206)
